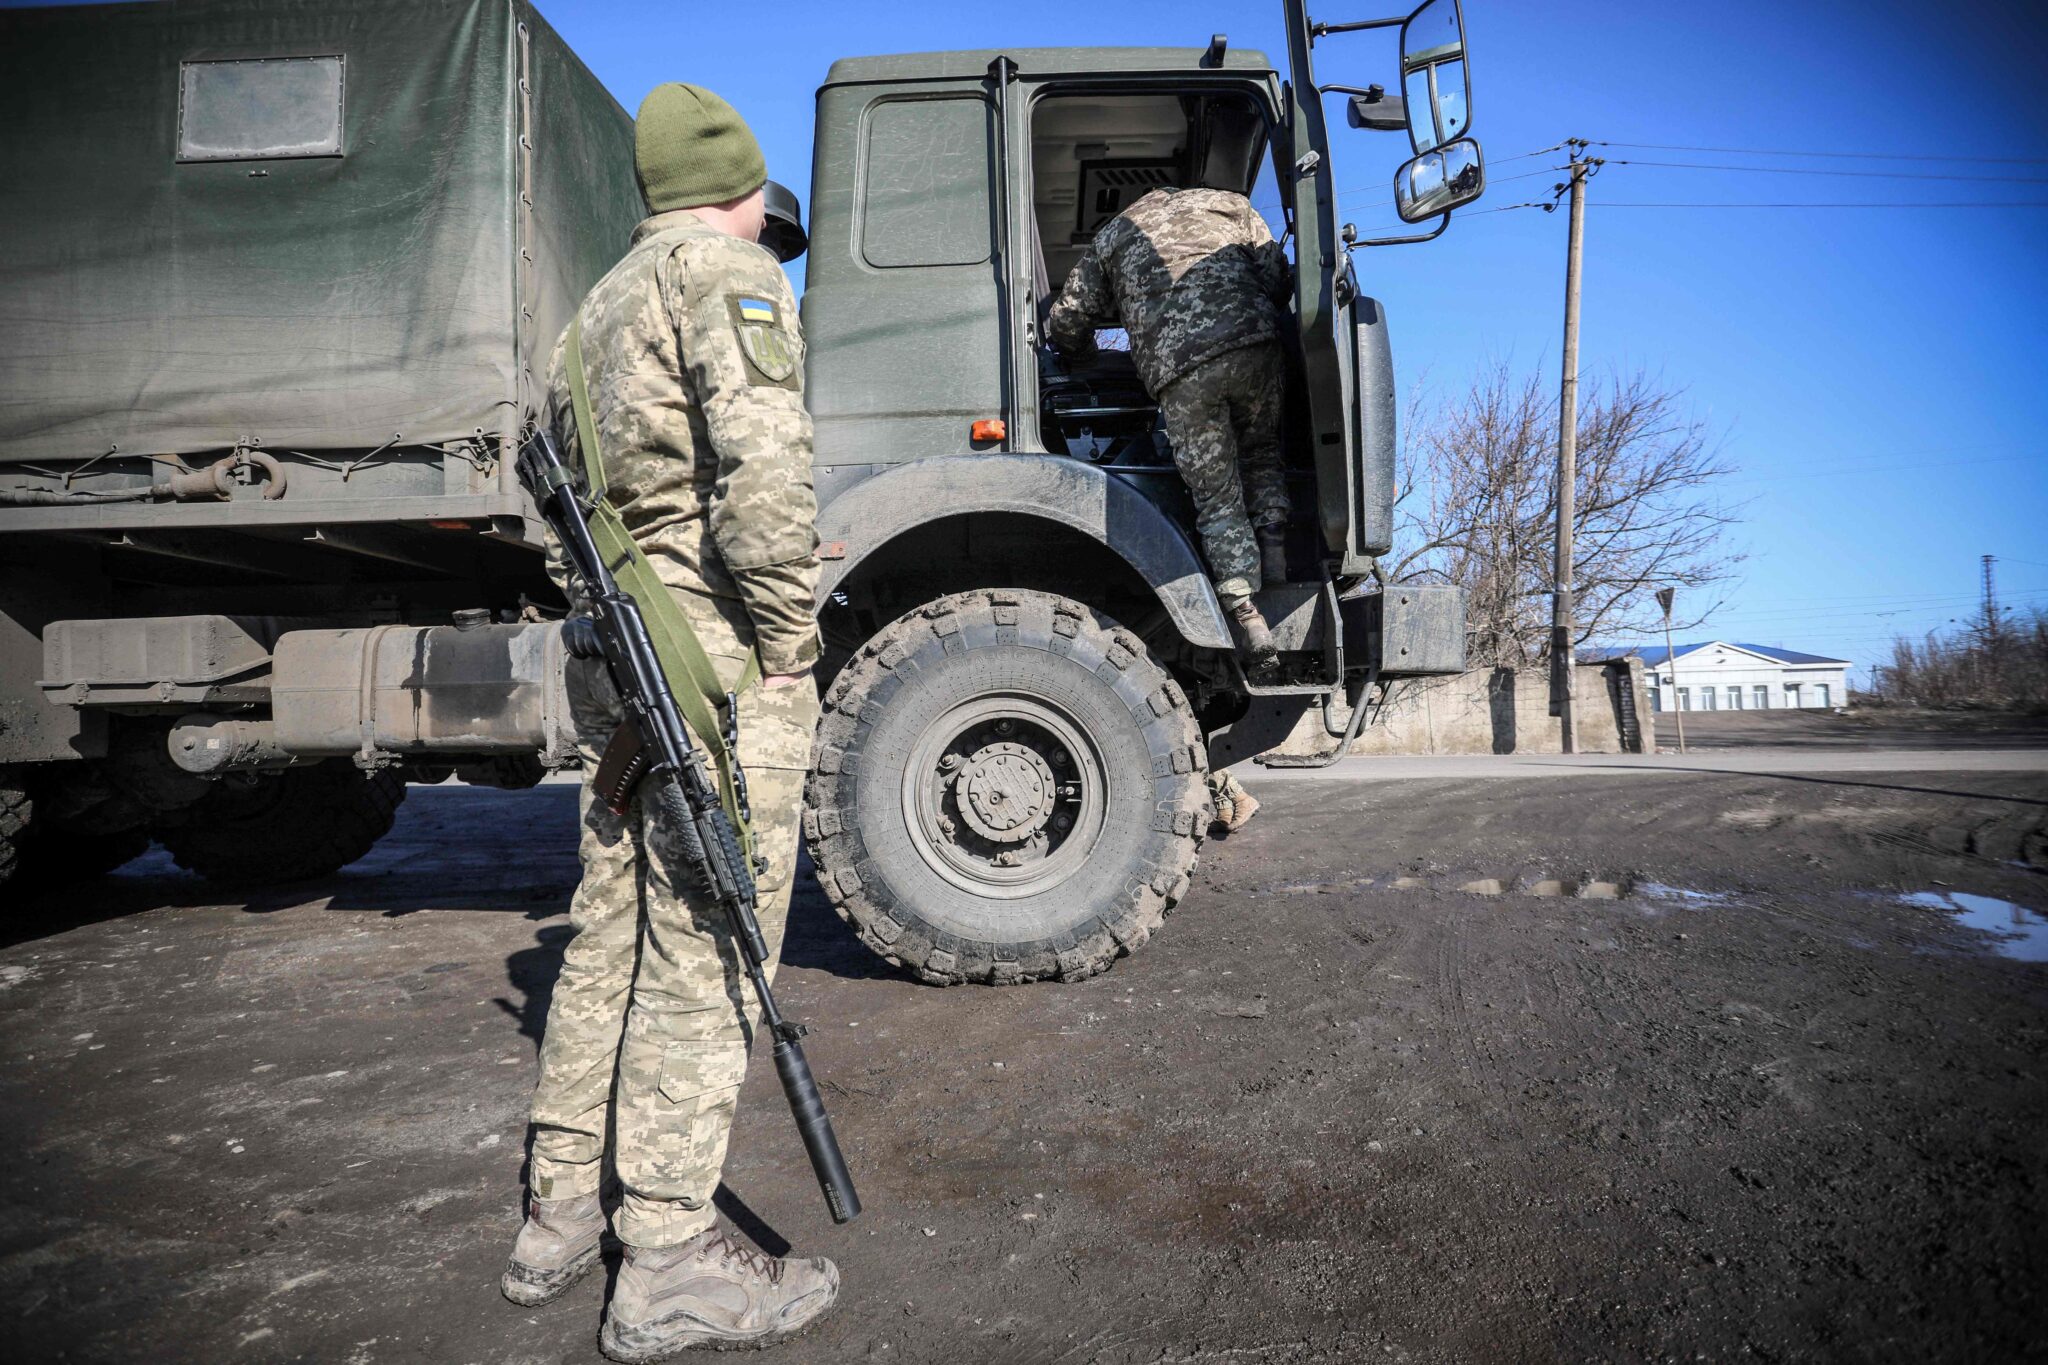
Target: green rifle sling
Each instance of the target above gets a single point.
(692, 676)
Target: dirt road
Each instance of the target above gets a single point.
(1758, 1107)
(1878, 727)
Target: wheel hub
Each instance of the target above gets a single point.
(1005, 792)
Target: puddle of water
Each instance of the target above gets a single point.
(2016, 932)
(1685, 895)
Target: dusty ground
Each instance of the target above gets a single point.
(1860, 728)
(1320, 1117)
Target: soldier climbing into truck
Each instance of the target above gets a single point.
(1196, 279)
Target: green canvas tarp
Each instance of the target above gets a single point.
(294, 222)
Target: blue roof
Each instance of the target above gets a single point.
(1656, 656)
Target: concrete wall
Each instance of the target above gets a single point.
(1493, 711)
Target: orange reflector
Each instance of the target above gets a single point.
(990, 429)
(450, 525)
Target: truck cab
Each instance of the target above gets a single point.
(998, 522)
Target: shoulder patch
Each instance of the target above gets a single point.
(764, 340)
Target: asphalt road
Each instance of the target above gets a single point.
(1781, 1100)
(1763, 762)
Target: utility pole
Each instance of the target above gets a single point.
(1990, 604)
(1664, 596)
(1563, 627)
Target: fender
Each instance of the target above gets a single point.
(903, 497)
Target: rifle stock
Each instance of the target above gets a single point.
(652, 753)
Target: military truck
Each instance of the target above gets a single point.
(278, 283)
(265, 561)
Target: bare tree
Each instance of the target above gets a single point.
(2000, 663)
(1478, 507)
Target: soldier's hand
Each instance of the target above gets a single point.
(775, 680)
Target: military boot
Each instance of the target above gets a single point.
(1254, 640)
(1243, 806)
(1272, 555)
(711, 1291)
(556, 1248)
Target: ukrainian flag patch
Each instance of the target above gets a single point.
(772, 354)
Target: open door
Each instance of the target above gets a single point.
(1324, 294)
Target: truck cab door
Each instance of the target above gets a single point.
(1352, 441)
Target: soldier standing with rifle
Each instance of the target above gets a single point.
(686, 364)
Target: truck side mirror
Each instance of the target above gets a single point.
(1439, 181)
(1434, 78)
(782, 230)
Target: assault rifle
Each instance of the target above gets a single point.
(653, 752)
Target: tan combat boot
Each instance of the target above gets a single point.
(711, 1291)
(1272, 555)
(1254, 641)
(558, 1245)
(1243, 806)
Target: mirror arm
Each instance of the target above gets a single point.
(1356, 26)
(1443, 221)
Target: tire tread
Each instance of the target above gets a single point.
(895, 932)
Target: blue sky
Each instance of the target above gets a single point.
(1876, 374)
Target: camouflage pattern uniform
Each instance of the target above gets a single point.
(1197, 280)
(694, 364)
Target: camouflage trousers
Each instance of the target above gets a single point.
(1223, 419)
(652, 1018)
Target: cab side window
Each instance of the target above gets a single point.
(927, 183)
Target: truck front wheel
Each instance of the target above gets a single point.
(1008, 786)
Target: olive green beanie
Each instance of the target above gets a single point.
(690, 147)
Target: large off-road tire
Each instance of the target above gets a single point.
(1008, 787)
(284, 827)
(61, 857)
(36, 855)
(15, 809)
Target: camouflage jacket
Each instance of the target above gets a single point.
(1189, 273)
(694, 361)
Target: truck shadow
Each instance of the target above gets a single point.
(453, 848)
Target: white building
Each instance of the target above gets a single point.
(1718, 676)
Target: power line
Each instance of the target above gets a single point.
(1523, 156)
(1835, 204)
(1811, 170)
(1856, 156)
